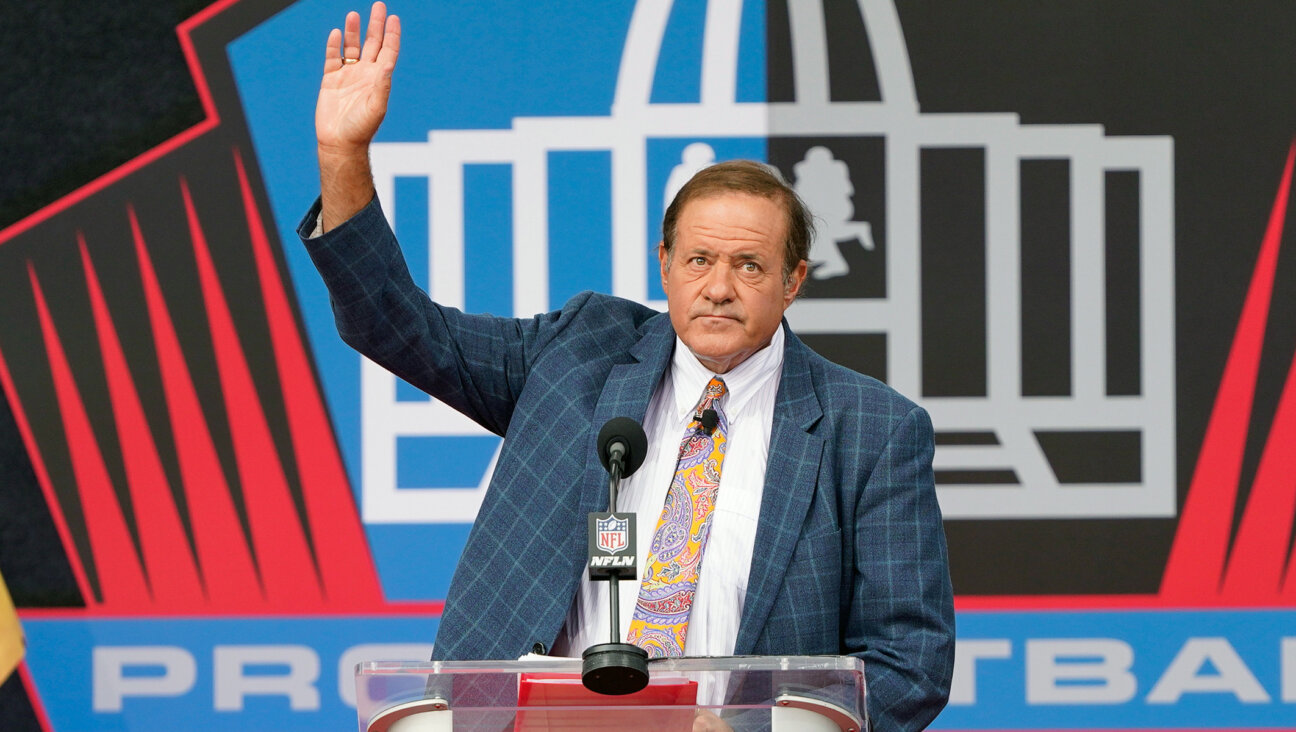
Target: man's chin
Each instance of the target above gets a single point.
(717, 339)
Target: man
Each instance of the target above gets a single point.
(824, 537)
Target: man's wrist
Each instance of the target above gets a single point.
(346, 184)
(341, 152)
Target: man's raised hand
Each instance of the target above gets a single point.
(357, 81)
(352, 103)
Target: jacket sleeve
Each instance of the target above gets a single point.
(902, 609)
(475, 363)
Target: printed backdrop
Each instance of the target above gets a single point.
(1059, 226)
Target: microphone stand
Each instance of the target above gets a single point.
(615, 668)
(614, 584)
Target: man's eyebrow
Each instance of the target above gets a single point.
(748, 256)
(744, 255)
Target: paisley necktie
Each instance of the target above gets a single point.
(661, 615)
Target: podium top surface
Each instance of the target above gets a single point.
(516, 694)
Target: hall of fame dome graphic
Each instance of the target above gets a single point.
(496, 217)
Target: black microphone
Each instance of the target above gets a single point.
(709, 420)
(622, 442)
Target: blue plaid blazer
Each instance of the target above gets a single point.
(850, 551)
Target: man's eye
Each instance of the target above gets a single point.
(750, 267)
(699, 261)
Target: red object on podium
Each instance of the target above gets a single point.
(582, 709)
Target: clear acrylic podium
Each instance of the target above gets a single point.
(777, 693)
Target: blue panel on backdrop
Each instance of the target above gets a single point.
(679, 63)
(751, 53)
(416, 561)
(488, 239)
(411, 225)
(580, 224)
(442, 462)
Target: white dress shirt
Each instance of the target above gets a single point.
(722, 587)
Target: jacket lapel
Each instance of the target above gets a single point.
(790, 478)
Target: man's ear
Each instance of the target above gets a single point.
(794, 281)
(663, 257)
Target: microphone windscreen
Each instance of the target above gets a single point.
(631, 434)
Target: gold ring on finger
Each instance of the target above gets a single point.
(350, 60)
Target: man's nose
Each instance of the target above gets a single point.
(719, 283)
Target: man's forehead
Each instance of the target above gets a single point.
(737, 199)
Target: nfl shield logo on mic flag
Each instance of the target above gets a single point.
(612, 546)
(613, 534)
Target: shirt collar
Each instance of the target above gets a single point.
(689, 377)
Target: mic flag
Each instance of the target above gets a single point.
(612, 546)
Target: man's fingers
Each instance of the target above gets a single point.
(333, 51)
(351, 36)
(391, 42)
(382, 39)
(374, 34)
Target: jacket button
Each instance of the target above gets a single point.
(539, 649)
